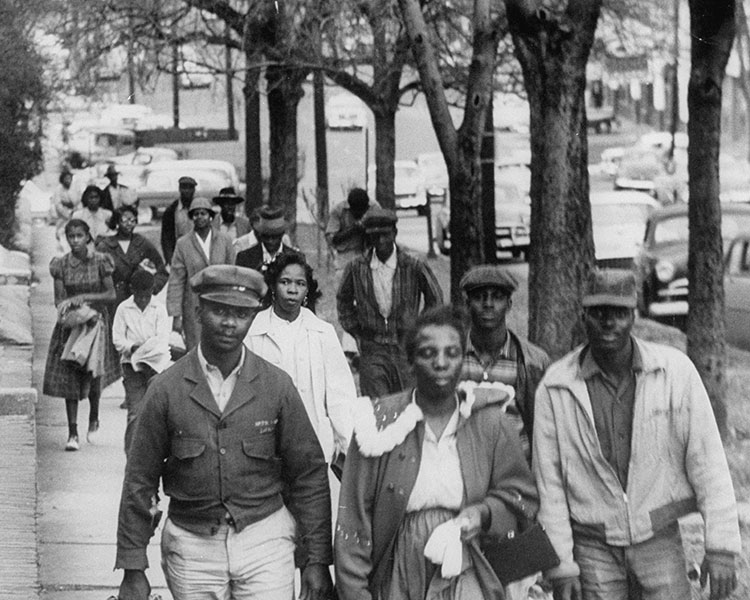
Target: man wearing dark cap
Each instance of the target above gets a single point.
(345, 233)
(270, 231)
(625, 443)
(380, 295)
(228, 221)
(175, 221)
(228, 437)
(494, 353)
(194, 251)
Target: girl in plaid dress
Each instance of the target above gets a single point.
(82, 276)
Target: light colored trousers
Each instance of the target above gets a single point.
(652, 570)
(257, 562)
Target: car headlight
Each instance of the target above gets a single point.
(664, 271)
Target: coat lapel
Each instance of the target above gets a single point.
(201, 393)
(201, 256)
(244, 390)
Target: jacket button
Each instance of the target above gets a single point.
(391, 487)
(223, 451)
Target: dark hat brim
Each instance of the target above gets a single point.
(227, 200)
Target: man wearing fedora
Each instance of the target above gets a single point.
(226, 434)
(194, 251)
(228, 221)
(625, 443)
(116, 194)
(381, 293)
(175, 221)
(270, 231)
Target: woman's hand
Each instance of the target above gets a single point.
(73, 302)
(472, 520)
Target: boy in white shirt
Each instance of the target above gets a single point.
(140, 332)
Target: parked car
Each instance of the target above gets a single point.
(408, 184)
(601, 119)
(159, 185)
(618, 222)
(131, 165)
(90, 145)
(434, 175)
(512, 220)
(737, 292)
(662, 260)
(346, 111)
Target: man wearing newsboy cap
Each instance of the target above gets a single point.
(228, 436)
(625, 443)
(380, 295)
(494, 353)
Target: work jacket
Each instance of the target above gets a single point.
(677, 462)
(224, 467)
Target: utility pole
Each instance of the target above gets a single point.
(231, 126)
(175, 84)
(675, 80)
(487, 159)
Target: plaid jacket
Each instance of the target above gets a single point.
(358, 311)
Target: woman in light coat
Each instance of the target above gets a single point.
(289, 335)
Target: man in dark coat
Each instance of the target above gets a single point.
(270, 229)
(226, 434)
(175, 222)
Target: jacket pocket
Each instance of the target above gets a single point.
(187, 473)
(261, 461)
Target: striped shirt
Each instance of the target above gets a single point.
(414, 285)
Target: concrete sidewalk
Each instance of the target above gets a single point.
(78, 492)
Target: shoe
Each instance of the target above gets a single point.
(72, 444)
(92, 437)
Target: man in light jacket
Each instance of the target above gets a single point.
(625, 443)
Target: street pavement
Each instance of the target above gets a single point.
(78, 492)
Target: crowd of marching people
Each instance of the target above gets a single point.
(424, 452)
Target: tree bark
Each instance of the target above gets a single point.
(284, 94)
(553, 49)
(385, 151)
(253, 160)
(712, 29)
(461, 148)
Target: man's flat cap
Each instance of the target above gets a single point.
(187, 181)
(488, 276)
(229, 284)
(378, 219)
(611, 287)
(201, 202)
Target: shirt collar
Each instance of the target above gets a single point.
(450, 429)
(504, 351)
(267, 256)
(129, 302)
(75, 261)
(391, 262)
(207, 241)
(207, 368)
(589, 367)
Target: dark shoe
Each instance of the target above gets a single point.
(72, 444)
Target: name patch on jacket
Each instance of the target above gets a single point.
(266, 426)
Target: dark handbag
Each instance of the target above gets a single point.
(522, 552)
(519, 555)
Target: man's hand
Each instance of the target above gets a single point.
(177, 324)
(316, 583)
(134, 586)
(719, 569)
(568, 588)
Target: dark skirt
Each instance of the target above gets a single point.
(65, 379)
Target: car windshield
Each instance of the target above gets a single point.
(675, 229)
(507, 193)
(405, 172)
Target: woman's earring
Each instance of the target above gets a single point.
(304, 300)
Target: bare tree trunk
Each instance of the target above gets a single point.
(712, 31)
(385, 150)
(253, 160)
(461, 148)
(553, 49)
(284, 94)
